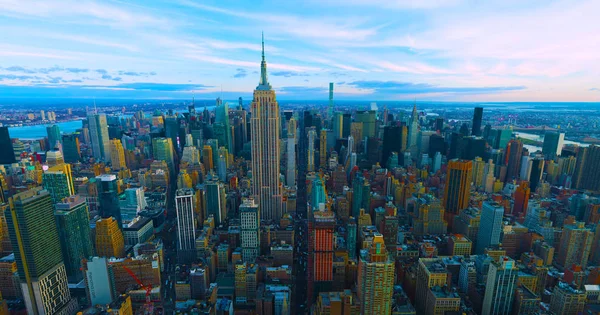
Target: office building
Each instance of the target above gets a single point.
(215, 199)
(71, 148)
(73, 222)
(490, 226)
(310, 154)
(58, 181)
(99, 280)
(162, 150)
(207, 158)
(413, 128)
(186, 225)
(108, 199)
(54, 138)
(430, 216)
(477, 117)
(291, 154)
(98, 128)
(265, 126)
(321, 247)
(109, 238)
(553, 144)
(117, 155)
(249, 230)
(575, 245)
(375, 278)
(54, 157)
(35, 240)
(500, 287)
(514, 152)
(458, 188)
(368, 119)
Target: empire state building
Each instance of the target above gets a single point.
(264, 125)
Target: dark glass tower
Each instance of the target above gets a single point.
(7, 154)
(477, 116)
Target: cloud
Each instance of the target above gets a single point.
(17, 77)
(18, 69)
(107, 77)
(76, 70)
(116, 79)
(136, 74)
(595, 89)
(240, 73)
(101, 71)
(394, 87)
(147, 86)
(304, 90)
(288, 74)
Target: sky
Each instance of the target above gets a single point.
(427, 50)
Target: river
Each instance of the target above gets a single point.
(540, 138)
(35, 132)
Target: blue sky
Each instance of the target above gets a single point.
(450, 50)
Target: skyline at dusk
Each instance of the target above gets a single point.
(441, 50)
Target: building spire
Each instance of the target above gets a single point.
(263, 84)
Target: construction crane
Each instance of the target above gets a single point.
(148, 305)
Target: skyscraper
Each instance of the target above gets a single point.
(58, 181)
(53, 136)
(34, 238)
(323, 149)
(514, 151)
(72, 219)
(375, 278)
(71, 148)
(186, 226)
(312, 135)
(109, 238)
(367, 120)
(162, 150)
(413, 127)
(477, 116)
(117, 155)
(500, 287)
(490, 226)
(553, 144)
(291, 154)
(249, 229)
(575, 245)
(7, 154)
(99, 136)
(107, 197)
(458, 188)
(214, 195)
(221, 126)
(265, 147)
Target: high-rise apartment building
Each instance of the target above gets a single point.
(186, 225)
(430, 216)
(35, 240)
(109, 238)
(490, 226)
(117, 155)
(265, 126)
(98, 128)
(73, 221)
(567, 300)
(249, 230)
(500, 286)
(375, 278)
(458, 187)
(430, 273)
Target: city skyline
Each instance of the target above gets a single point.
(433, 50)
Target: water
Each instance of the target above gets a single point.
(540, 138)
(39, 131)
